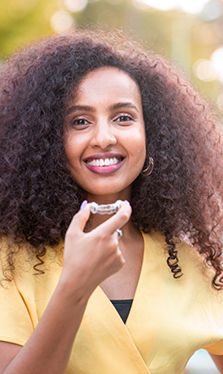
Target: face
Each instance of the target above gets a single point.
(105, 136)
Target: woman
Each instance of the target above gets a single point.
(92, 118)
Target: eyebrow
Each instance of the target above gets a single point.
(123, 105)
(75, 108)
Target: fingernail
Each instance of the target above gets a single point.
(126, 201)
(83, 205)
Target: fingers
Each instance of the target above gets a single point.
(94, 255)
(117, 220)
(79, 220)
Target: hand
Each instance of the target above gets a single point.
(90, 258)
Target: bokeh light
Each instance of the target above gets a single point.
(75, 5)
(184, 30)
(217, 61)
(213, 10)
(161, 4)
(62, 22)
(189, 6)
(204, 70)
(192, 6)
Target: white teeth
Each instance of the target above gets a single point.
(102, 162)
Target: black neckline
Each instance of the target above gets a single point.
(124, 301)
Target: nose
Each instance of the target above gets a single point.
(103, 135)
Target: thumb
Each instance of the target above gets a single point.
(79, 220)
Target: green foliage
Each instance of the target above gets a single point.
(179, 36)
(21, 21)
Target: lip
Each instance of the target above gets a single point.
(104, 169)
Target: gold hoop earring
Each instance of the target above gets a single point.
(149, 168)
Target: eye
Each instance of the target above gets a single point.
(124, 118)
(79, 122)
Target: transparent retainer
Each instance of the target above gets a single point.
(105, 208)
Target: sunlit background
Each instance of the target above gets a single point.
(188, 32)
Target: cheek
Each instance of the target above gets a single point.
(70, 153)
(137, 151)
(139, 146)
(141, 157)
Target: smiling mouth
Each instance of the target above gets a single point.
(104, 162)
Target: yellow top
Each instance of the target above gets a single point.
(169, 320)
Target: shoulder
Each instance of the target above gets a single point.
(195, 270)
(186, 251)
(19, 260)
(194, 288)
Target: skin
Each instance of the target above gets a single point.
(114, 263)
(110, 130)
(105, 120)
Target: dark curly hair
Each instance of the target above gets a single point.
(181, 198)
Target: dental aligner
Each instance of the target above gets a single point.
(105, 208)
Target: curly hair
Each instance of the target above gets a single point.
(183, 195)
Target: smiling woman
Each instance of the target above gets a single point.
(93, 120)
(105, 135)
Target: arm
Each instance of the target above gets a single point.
(218, 360)
(89, 258)
(48, 349)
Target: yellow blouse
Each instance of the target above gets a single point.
(169, 320)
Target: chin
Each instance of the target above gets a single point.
(109, 195)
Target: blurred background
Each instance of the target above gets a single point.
(187, 32)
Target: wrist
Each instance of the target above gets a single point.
(73, 291)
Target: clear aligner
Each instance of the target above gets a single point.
(105, 208)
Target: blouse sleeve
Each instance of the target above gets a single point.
(15, 321)
(23, 300)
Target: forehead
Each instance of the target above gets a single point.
(110, 83)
